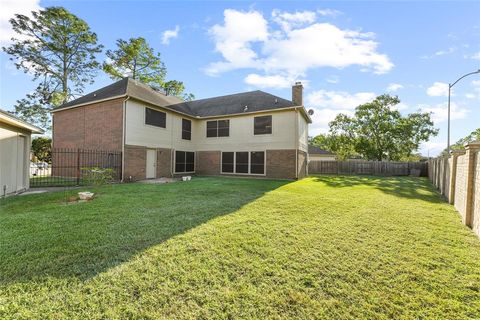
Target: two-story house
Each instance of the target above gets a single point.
(250, 134)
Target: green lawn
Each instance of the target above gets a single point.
(322, 247)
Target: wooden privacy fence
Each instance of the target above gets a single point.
(374, 168)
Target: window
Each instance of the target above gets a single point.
(227, 162)
(184, 161)
(262, 125)
(218, 128)
(155, 118)
(186, 129)
(243, 162)
(257, 162)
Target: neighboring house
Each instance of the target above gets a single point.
(317, 154)
(249, 134)
(15, 141)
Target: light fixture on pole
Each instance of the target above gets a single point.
(450, 85)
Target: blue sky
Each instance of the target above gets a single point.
(344, 52)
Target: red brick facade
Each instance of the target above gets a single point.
(208, 163)
(281, 164)
(135, 164)
(98, 126)
(302, 164)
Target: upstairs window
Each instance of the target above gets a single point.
(218, 128)
(262, 125)
(155, 118)
(186, 129)
(184, 161)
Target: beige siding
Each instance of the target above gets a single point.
(242, 137)
(14, 159)
(241, 132)
(302, 133)
(140, 134)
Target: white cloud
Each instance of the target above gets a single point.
(476, 56)
(338, 99)
(329, 12)
(167, 35)
(276, 81)
(438, 89)
(322, 116)
(288, 20)
(439, 53)
(233, 40)
(431, 148)
(328, 104)
(8, 10)
(440, 112)
(470, 96)
(333, 79)
(393, 87)
(247, 40)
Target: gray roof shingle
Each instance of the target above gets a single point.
(252, 101)
(317, 150)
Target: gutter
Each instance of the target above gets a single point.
(124, 111)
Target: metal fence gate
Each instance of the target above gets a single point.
(69, 167)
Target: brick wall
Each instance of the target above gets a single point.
(281, 164)
(164, 162)
(461, 185)
(98, 126)
(302, 164)
(208, 162)
(458, 178)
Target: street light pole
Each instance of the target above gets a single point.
(449, 94)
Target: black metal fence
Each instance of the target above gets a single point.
(71, 167)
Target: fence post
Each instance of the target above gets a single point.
(78, 166)
(470, 150)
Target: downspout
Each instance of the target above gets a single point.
(124, 111)
(296, 143)
(171, 149)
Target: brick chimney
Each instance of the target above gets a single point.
(297, 94)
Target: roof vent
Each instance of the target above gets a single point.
(94, 94)
(276, 100)
(245, 109)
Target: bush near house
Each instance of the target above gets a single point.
(323, 247)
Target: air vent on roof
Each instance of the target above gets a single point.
(276, 100)
(245, 109)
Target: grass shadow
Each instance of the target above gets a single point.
(406, 187)
(42, 237)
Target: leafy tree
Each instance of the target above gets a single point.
(460, 144)
(339, 144)
(379, 132)
(42, 149)
(136, 59)
(58, 49)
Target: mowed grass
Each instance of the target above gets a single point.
(322, 247)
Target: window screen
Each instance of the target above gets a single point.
(257, 162)
(218, 128)
(184, 161)
(186, 129)
(241, 162)
(155, 118)
(227, 162)
(263, 125)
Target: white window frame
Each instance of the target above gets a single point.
(249, 163)
(175, 162)
(216, 120)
